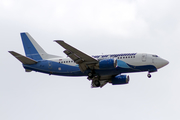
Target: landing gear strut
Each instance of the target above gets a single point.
(149, 75)
(90, 75)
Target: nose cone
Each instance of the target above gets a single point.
(165, 62)
(161, 63)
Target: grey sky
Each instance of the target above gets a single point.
(94, 27)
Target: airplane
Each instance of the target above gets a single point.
(100, 69)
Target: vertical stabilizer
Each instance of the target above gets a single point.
(32, 49)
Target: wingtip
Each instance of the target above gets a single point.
(10, 51)
(58, 41)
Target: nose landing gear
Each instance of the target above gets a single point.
(149, 75)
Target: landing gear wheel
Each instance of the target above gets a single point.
(97, 83)
(149, 75)
(90, 75)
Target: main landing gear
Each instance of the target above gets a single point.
(90, 75)
(149, 75)
(95, 80)
(97, 83)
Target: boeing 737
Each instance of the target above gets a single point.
(100, 69)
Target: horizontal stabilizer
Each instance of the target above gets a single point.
(23, 59)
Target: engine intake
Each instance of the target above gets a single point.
(120, 79)
(107, 64)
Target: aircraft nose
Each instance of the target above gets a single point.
(165, 62)
(162, 63)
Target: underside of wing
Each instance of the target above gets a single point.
(103, 80)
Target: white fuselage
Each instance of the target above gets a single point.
(140, 59)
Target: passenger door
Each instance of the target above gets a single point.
(144, 57)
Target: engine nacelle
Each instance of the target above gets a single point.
(107, 64)
(120, 79)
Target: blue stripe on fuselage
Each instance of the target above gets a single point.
(51, 67)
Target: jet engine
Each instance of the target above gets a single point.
(107, 64)
(120, 79)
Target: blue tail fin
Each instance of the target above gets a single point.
(31, 47)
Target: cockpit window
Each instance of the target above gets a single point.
(154, 55)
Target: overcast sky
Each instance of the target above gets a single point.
(94, 27)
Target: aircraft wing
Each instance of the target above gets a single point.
(83, 60)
